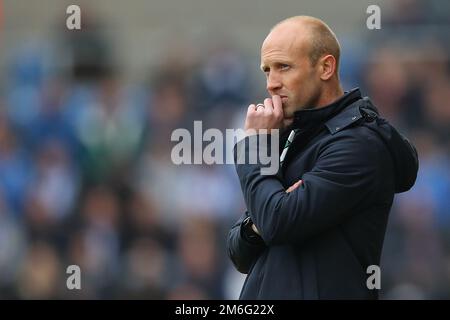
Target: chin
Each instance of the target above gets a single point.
(289, 112)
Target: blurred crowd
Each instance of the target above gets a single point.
(86, 176)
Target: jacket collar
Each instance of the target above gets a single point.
(335, 116)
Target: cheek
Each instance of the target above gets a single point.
(298, 84)
(308, 81)
(293, 83)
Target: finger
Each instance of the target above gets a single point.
(251, 108)
(260, 107)
(294, 186)
(291, 188)
(277, 105)
(268, 104)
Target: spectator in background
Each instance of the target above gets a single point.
(110, 131)
(15, 167)
(197, 235)
(41, 273)
(95, 246)
(13, 244)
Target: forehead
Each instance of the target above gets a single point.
(284, 42)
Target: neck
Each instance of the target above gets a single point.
(330, 95)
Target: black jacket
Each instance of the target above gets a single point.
(317, 241)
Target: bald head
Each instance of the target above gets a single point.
(311, 34)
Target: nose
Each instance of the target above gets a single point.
(273, 82)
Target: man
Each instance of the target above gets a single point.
(312, 230)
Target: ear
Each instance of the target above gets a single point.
(328, 66)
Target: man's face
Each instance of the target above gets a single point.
(288, 70)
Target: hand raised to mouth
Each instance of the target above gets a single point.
(265, 116)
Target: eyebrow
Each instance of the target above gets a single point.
(263, 66)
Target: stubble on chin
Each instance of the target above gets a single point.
(287, 122)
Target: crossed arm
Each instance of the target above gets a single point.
(244, 240)
(345, 173)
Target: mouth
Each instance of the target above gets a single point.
(284, 99)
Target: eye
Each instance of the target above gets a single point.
(284, 66)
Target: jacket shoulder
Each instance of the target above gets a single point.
(356, 114)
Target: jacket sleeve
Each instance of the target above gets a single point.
(242, 251)
(344, 174)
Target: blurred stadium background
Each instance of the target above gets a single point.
(85, 124)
